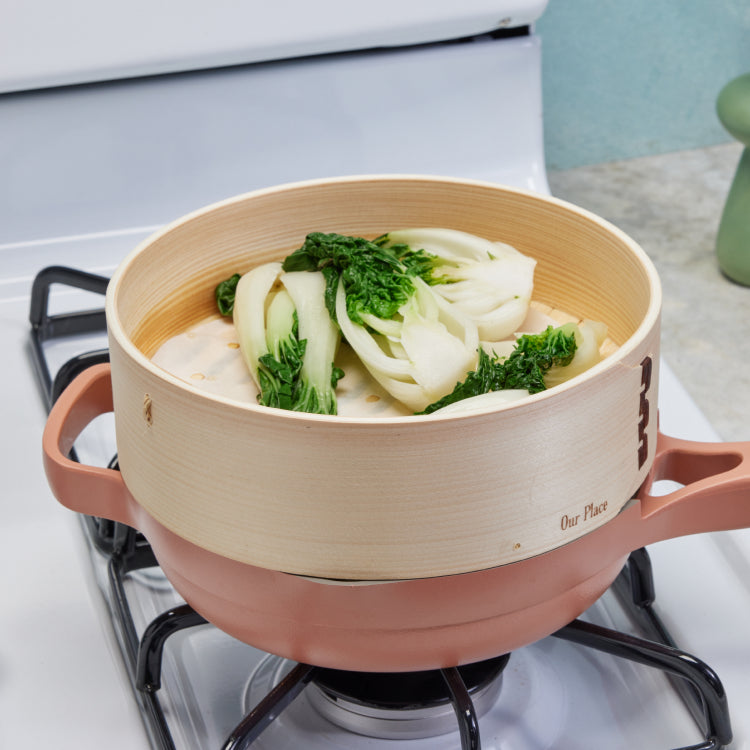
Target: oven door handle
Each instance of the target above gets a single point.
(91, 490)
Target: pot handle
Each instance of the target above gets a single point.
(91, 490)
(715, 495)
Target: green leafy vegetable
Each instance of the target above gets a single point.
(377, 280)
(533, 356)
(225, 293)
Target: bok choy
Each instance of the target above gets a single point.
(287, 338)
(432, 314)
(491, 282)
(413, 342)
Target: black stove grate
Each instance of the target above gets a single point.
(127, 551)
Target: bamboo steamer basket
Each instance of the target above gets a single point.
(387, 498)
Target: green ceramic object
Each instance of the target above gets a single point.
(733, 238)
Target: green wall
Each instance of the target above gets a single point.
(627, 78)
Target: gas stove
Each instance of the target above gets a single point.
(618, 677)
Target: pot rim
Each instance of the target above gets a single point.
(650, 319)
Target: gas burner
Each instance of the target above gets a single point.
(393, 705)
(515, 699)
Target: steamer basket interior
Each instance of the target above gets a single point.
(584, 266)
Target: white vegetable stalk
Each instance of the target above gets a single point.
(590, 335)
(279, 320)
(307, 291)
(491, 282)
(418, 356)
(483, 402)
(251, 299)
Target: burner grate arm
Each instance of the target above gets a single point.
(670, 660)
(464, 707)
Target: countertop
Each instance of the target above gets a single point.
(671, 205)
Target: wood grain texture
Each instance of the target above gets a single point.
(401, 497)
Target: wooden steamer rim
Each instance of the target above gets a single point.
(585, 265)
